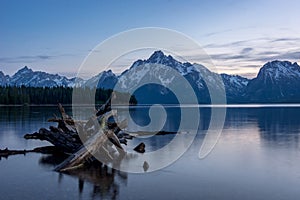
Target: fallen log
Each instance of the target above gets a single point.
(66, 142)
(44, 150)
(6, 152)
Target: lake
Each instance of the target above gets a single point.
(256, 157)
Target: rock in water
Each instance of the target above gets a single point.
(145, 166)
(140, 148)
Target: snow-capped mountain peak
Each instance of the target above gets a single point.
(277, 70)
(277, 81)
(28, 77)
(24, 70)
(159, 58)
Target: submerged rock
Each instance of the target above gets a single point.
(145, 166)
(140, 148)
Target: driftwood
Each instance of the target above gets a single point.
(95, 145)
(107, 106)
(45, 150)
(101, 135)
(67, 142)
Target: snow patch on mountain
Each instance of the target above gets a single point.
(277, 70)
(279, 80)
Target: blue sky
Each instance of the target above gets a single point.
(55, 35)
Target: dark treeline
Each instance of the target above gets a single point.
(50, 95)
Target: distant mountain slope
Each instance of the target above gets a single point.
(4, 79)
(276, 82)
(235, 87)
(198, 76)
(27, 77)
(161, 69)
(105, 79)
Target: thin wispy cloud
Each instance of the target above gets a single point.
(241, 57)
(246, 50)
(217, 32)
(290, 56)
(236, 43)
(31, 59)
(252, 54)
(25, 59)
(286, 39)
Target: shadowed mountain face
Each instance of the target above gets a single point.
(276, 82)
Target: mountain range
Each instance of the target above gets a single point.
(276, 82)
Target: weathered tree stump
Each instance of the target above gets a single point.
(83, 140)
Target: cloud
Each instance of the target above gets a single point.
(231, 44)
(238, 43)
(286, 39)
(291, 55)
(25, 59)
(217, 32)
(246, 57)
(249, 75)
(246, 50)
(278, 56)
(251, 43)
(30, 59)
(269, 53)
(226, 56)
(260, 57)
(258, 50)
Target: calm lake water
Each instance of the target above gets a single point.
(257, 157)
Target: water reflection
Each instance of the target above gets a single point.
(260, 153)
(102, 178)
(279, 126)
(52, 160)
(16, 121)
(276, 125)
(279, 120)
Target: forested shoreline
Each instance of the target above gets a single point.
(13, 95)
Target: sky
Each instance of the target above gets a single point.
(56, 35)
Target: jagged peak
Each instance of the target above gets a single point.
(279, 63)
(160, 58)
(276, 70)
(106, 73)
(157, 55)
(23, 70)
(109, 71)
